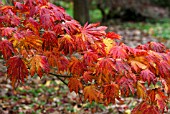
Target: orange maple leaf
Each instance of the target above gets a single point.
(27, 42)
(67, 44)
(55, 60)
(52, 57)
(74, 84)
(39, 64)
(141, 90)
(17, 70)
(76, 66)
(166, 85)
(92, 94)
(104, 69)
(137, 65)
(109, 44)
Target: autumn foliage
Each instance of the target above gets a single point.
(37, 37)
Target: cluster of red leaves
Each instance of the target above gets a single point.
(37, 37)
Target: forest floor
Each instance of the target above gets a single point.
(50, 96)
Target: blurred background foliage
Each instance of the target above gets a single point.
(150, 16)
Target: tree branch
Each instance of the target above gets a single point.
(58, 75)
(63, 76)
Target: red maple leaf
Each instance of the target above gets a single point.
(90, 58)
(118, 52)
(113, 35)
(111, 92)
(161, 100)
(158, 47)
(122, 67)
(6, 48)
(87, 76)
(164, 69)
(50, 40)
(147, 75)
(58, 12)
(7, 31)
(62, 63)
(17, 70)
(71, 27)
(105, 68)
(47, 21)
(145, 108)
(66, 44)
(126, 85)
(92, 32)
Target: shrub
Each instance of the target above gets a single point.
(38, 37)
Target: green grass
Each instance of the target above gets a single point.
(159, 29)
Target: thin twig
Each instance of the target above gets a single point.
(62, 80)
(62, 76)
(59, 75)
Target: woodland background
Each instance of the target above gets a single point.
(137, 21)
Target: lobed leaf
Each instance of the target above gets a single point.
(39, 64)
(17, 70)
(111, 93)
(113, 35)
(7, 49)
(50, 40)
(74, 84)
(76, 66)
(87, 76)
(92, 94)
(141, 90)
(118, 52)
(147, 75)
(92, 32)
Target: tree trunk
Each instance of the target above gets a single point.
(81, 11)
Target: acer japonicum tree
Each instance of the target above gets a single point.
(37, 37)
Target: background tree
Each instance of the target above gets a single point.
(81, 11)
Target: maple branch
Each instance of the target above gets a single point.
(58, 75)
(62, 80)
